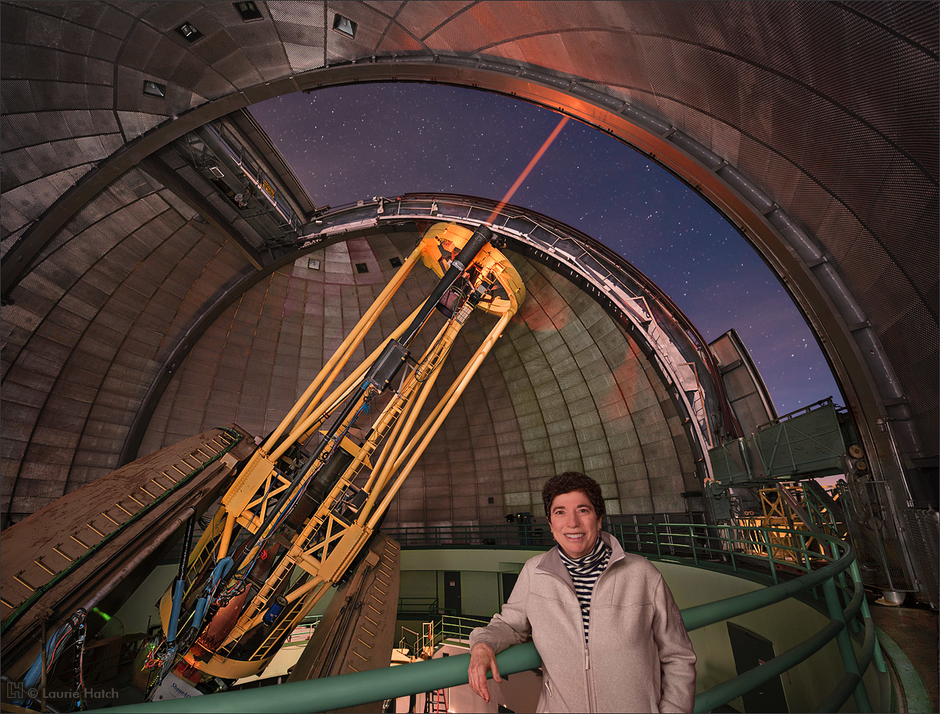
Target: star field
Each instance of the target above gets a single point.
(360, 141)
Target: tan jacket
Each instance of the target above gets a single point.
(639, 657)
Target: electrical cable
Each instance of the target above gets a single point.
(34, 674)
(80, 663)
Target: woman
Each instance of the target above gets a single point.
(606, 626)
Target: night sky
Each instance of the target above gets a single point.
(347, 143)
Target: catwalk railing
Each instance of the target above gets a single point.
(796, 562)
(441, 629)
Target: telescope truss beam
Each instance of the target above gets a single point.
(297, 516)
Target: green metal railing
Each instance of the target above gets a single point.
(528, 535)
(301, 634)
(420, 608)
(829, 572)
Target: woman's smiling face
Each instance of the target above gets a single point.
(574, 523)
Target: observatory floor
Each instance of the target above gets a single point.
(914, 630)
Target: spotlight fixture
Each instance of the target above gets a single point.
(154, 89)
(313, 264)
(395, 261)
(362, 268)
(344, 25)
(189, 32)
(248, 11)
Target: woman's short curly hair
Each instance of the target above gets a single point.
(572, 481)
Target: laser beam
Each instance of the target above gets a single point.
(525, 172)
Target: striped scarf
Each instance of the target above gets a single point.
(584, 573)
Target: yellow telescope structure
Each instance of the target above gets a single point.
(307, 501)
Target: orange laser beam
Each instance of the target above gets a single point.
(527, 169)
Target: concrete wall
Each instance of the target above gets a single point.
(479, 576)
(479, 593)
(140, 610)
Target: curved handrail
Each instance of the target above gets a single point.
(377, 685)
(709, 613)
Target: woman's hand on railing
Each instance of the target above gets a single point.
(482, 660)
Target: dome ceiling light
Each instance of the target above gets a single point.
(189, 32)
(344, 25)
(248, 10)
(154, 89)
